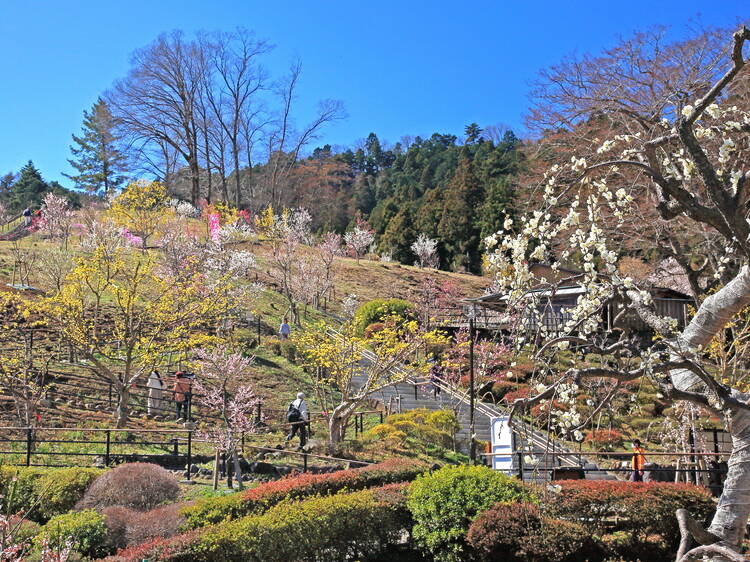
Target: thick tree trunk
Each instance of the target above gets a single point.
(339, 421)
(123, 410)
(730, 520)
(237, 469)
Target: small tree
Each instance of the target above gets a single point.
(56, 217)
(141, 208)
(220, 388)
(425, 248)
(343, 380)
(358, 239)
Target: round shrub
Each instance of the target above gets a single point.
(444, 503)
(518, 532)
(85, 529)
(128, 527)
(140, 486)
(379, 310)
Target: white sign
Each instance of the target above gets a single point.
(502, 444)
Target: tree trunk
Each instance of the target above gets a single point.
(730, 520)
(122, 411)
(237, 469)
(339, 421)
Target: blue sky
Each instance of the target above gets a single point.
(400, 67)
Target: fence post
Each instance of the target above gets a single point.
(190, 455)
(381, 416)
(29, 438)
(716, 440)
(520, 465)
(109, 397)
(304, 461)
(106, 451)
(258, 330)
(176, 445)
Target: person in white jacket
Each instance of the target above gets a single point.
(155, 386)
(298, 415)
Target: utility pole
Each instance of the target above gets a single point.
(472, 447)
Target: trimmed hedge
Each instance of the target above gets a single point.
(265, 496)
(52, 491)
(354, 526)
(519, 532)
(641, 508)
(445, 503)
(86, 530)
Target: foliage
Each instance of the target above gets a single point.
(605, 439)
(139, 486)
(379, 310)
(86, 530)
(42, 493)
(519, 532)
(261, 498)
(445, 503)
(30, 188)
(357, 525)
(642, 508)
(419, 426)
(141, 208)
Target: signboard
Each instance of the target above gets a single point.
(502, 444)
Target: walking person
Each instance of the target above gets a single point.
(298, 415)
(155, 386)
(26, 217)
(436, 376)
(183, 387)
(638, 462)
(284, 330)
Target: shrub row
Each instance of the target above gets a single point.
(84, 529)
(641, 508)
(354, 526)
(42, 493)
(261, 498)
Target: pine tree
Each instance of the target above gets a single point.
(29, 190)
(97, 158)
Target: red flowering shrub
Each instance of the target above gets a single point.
(607, 439)
(373, 328)
(523, 391)
(641, 508)
(263, 497)
(519, 532)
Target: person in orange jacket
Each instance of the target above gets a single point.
(638, 462)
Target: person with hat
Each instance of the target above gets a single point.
(183, 387)
(298, 415)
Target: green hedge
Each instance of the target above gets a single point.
(379, 310)
(46, 492)
(85, 529)
(265, 496)
(445, 503)
(354, 526)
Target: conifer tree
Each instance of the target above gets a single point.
(458, 225)
(97, 159)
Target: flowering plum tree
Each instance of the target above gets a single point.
(221, 389)
(358, 239)
(56, 217)
(425, 248)
(677, 152)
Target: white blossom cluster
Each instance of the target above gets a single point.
(183, 208)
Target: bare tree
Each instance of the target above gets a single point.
(156, 102)
(284, 142)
